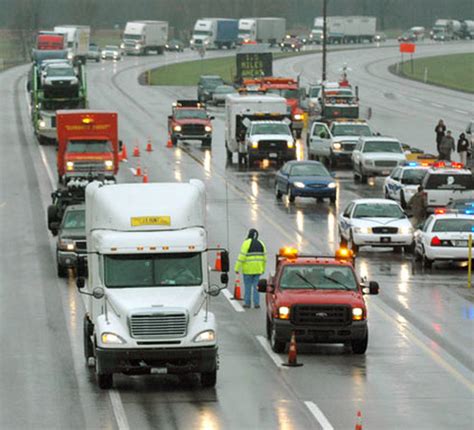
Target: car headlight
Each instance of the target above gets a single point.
(177, 128)
(332, 185)
(167, 46)
(337, 146)
(122, 45)
(176, 46)
(255, 144)
(297, 117)
(298, 184)
(109, 164)
(357, 314)
(69, 166)
(42, 123)
(406, 230)
(70, 55)
(369, 162)
(208, 128)
(290, 144)
(292, 45)
(67, 245)
(363, 230)
(111, 339)
(312, 104)
(284, 312)
(205, 336)
(137, 46)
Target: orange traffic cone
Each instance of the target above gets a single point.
(358, 425)
(138, 170)
(237, 291)
(123, 154)
(136, 151)
(218, 263)
(148, 145)
(169, 144)
(292, 353)
(145, 176)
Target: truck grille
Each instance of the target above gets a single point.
(193, 129)
(348, 146)
(321, 315)
(158, 325)
(386, 163)
(272, 145)
(385, 230)
(81, 245)
(88, 166)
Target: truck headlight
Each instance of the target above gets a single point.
(298, 184)
(108, 164)
(167, 46)
(122, 46)
(208, 128)
(69, 166)
(290, 144)
(357, 314)
(406, 230)
(137, 46)
(255, 145)
(42, 123)
(70, 55)
(205, 336)
(111, 339)
(369, 162)
(337, 146)
(177, 128)
(284, 312)
(297, 117)
(67, 245)
(363, 230)
(332, 185)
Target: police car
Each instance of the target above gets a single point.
(444, 237)
(375, 222)
(404, 181)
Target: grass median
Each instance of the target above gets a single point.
(454, 71)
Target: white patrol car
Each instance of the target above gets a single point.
(334, 143)
(444, 237)
(376, 156)
(404, 181)
(446, 181)
(375, 222)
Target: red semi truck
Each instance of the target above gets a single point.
(88, 145)
(50, 41)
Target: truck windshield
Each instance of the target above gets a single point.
(202, 33)
(190, 114)
(450, 182)
(75, 219)
(314, 92)
(413, 176)
(454, 225)
(286, 93)
(377, 210)
(153, 270)
(393, 147)
(132, 36)
(318, 277)
(80, 146)
(270, 128)
(212, 83)
(351, 130)
(60, 71)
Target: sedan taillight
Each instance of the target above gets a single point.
(436, 241)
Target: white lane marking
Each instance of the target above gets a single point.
(48, 168)
(415, 99)
(461, 111)
(118, 409)
(436, 105)
(266, 347)
(133, 170)
(234, 303)
(320, 417)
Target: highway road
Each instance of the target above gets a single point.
(418, 370)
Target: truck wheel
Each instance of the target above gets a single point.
(268, 328)
(359, 346)
(209, 379)
(105, 381)
(88, 346)
(278, 193)
(207, 142)
(52, 214)
(277, 345)
(62, 271)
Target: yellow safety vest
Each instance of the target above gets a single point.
(251, 262)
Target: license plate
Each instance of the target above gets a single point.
(385, 172)
(385, 239)
(462, 243)
(158, 370)
(273, 155)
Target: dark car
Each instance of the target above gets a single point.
(291, 43)
(71, 239)
(305, 179)
(207, 85)
(174, 45)
(408, 37)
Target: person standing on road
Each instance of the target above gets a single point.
(251, 262)
(463, 148)
(446, 147)
(418, 207)
(440, 130)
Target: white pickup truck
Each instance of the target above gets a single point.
(334, 143)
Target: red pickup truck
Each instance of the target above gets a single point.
(88, 145)
(318, 298)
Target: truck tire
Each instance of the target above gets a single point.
(61, 271)
(359, 346)
(52, 217)
(209, 379)
(88, 345)
(207, 142)
(105, 381)
(277, 345)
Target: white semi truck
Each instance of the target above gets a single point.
(149, 282)
(344, 29)
(77, 39)
(262, 30)
(141, 37)
(215, 33)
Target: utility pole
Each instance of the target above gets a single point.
(324, 38)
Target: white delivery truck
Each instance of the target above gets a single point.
(262, 30)
(149, 281)
(78, 38)
(359, 29)
(141, 37)
(215, 33)
(241, 110)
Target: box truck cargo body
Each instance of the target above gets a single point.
(141, 37)
(215, 33)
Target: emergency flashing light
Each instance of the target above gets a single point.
(440, 211)
(457, 165)
(288, 252)
(87, 120)
(344, 254)
(413, 164)
(439, 164)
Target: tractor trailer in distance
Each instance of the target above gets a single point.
(344, 29)
(141, 37)
(215, 33)
(149, 282)
(77, 41)
(262, 30)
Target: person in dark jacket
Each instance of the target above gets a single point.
(418, 207)
(463, 148)
(446, 147)
(440, 130)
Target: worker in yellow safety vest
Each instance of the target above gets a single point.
(251, 262)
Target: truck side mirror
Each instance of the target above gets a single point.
(224, 278)
(212, 118)
(262, 286)
(53, 227)
(80, 282)
(373, 288)
(225, 263)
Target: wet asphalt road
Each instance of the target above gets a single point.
(418, 370)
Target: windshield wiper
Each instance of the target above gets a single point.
(314, 287)
(337, 282)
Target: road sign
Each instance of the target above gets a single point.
(407, 48)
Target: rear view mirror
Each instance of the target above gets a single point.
(262, 286)
(81, 267)
(225, 264)
(224, 278)
(373, 288)
(212, 117)
(80, 282)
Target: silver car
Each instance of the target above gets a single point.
(111, 52)
(220, 93)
